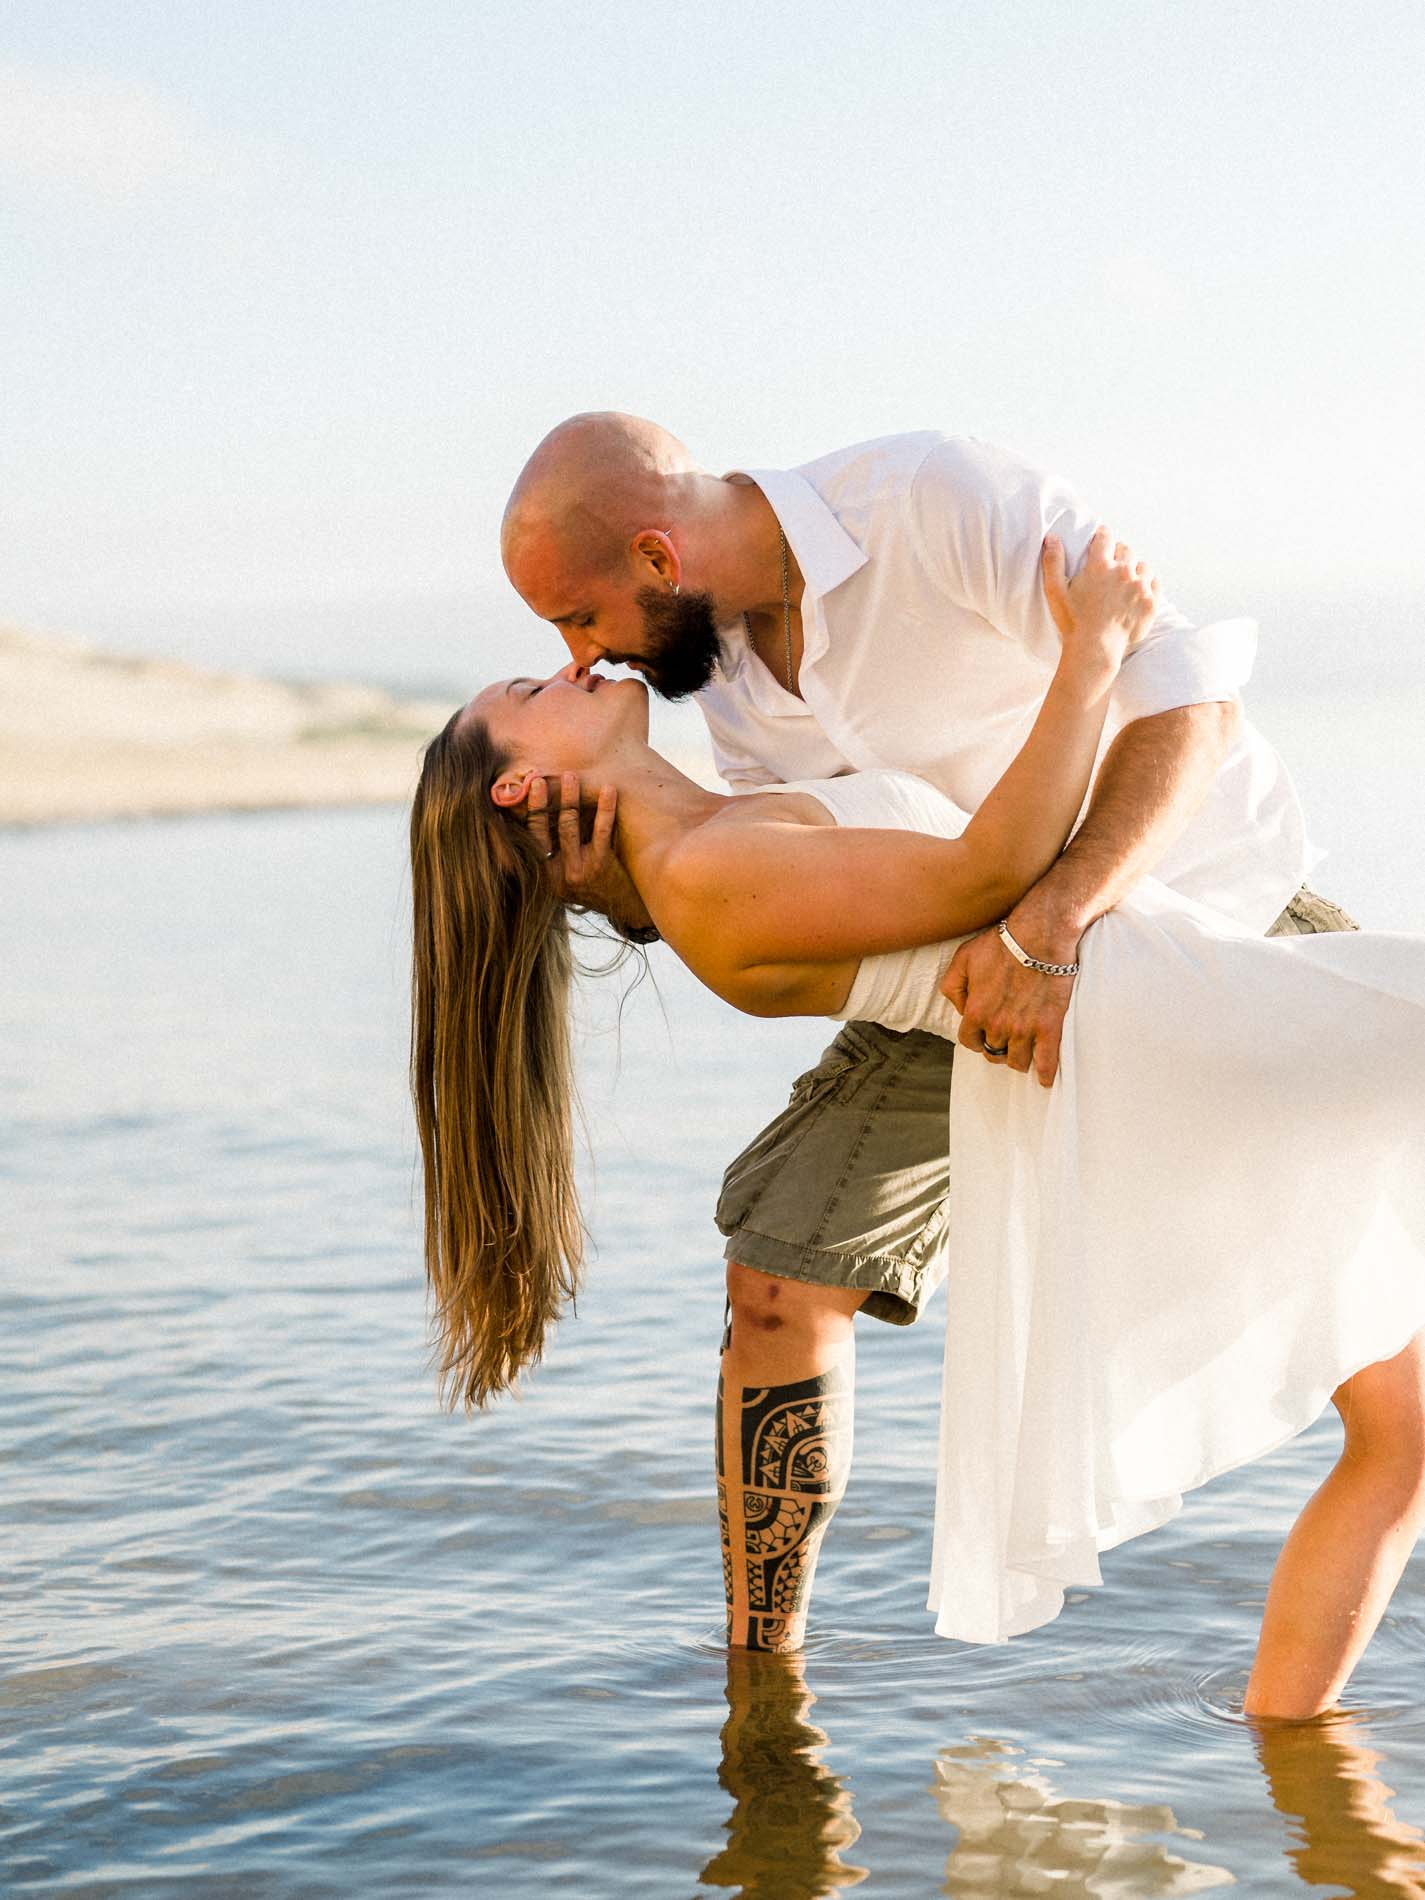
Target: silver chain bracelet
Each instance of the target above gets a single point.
(1034, 963)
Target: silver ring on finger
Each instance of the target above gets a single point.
(990, 1050)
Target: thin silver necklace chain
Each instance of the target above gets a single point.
(786, 612)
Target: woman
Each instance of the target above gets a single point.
(1098, 1363)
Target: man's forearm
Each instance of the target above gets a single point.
(1152, 779)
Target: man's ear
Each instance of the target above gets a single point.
(511, 789)
(652, 549)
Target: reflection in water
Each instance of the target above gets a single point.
(1018, 1837)
(1321, 1776)
(791, 1817)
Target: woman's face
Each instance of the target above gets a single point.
(566, 723)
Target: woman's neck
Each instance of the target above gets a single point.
(657, 806)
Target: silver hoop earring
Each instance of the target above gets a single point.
(675, 587)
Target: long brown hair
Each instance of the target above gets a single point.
(491, 1072)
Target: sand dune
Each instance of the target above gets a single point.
(87, 734)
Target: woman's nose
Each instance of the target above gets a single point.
(576, 675)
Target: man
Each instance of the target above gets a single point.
(881, 607)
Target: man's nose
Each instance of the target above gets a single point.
(582, 650)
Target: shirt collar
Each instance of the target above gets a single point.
(826, 555)
(825, 552)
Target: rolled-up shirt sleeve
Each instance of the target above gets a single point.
(980, 516)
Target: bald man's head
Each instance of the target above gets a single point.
(602, 537)
(591, 485)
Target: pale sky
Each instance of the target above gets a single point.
(289, 291)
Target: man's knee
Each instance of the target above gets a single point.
(769, 1303)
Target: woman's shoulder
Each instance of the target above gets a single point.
(745, 839)
(739, 835)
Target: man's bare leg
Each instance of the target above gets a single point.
(1346, 1551)
(784, 1411)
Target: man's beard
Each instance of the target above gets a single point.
(682, 649)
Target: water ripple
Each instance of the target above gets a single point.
(274, 1627)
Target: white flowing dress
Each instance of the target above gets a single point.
(1164, 1265)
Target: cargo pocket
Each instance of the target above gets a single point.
(822, 1078)
(840, 1070)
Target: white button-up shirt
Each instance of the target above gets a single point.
(928, 645)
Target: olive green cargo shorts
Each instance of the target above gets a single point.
(848, 1186)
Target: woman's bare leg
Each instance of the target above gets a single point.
(784, 1407)
(1343, 1559)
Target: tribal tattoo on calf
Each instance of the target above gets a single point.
(793, 1451)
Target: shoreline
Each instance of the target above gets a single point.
(117, 806)
(88, 736)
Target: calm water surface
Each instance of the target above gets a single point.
(274, 1626)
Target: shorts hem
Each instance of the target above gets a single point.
(897, 1291)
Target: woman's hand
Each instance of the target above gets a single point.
(1111, 602)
